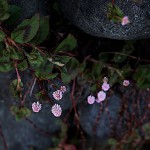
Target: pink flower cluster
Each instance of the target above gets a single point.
(56, 109)
(59, 93)
(101, 95)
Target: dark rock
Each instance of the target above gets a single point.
(89, 113)
(115, 115)
(23, 134)
(91, 17)
(30, 7)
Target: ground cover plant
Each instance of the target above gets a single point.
(52, 50)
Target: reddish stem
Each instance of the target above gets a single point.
(113, 2)
(75, 110)
(45, 133)
(3, 139)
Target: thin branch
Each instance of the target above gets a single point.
(43, 132)
(75, 110)
(130, 56)
(3, 138)
(34, 82)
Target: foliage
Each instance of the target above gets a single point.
(114, 13)
(21, 50)
(20, 113)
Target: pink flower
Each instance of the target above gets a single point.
(105, 86)
(101, 96)
(56, 110)
(63, 88)
(126, 82)
(36, 107)
(125, 20)
(57, 94)
(91, 99)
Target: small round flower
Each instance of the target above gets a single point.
(56, 110)
(105, 86)
(57, 94)
(91, 99)
(101, 96)
(125, 20)
(63, 88)
(36, 107)
(126, 82)
(105, 79)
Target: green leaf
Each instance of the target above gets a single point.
(93, 87)
(15, 53)
(4, 5)
(5, 67)
(113, 77)
(42, 32)
(127, 49)
(142, 76)
(146, 130)
(82, 67)
(22, 66)
(70, 71)
(27, 30)
(20, 113)
(15, 13)
(3, 10)
(65, 77)
(96, 69)
(119, 58)
(13, 88)
(114, 13)
(2, 35)
(5, 17)
(35, 58)
(68, 44)
(45, 76)
(73, 67)
(118, 11)
(112, 142)
(46, 67)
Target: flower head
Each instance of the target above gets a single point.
(63, 88)
(126, 82)
(105, 86)
(105, 79)
(57, 94)
(56, 110)
(101, 96)
(91, 99)
(125, 20)
(36, 107)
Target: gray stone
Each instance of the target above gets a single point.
(30, 7)
(23, 134)
(88, 115)
(91, 17)
(114, 114)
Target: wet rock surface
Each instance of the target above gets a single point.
(29, 7)
(91, 17)
(35, 131)
(38, 129)
(114, 116)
